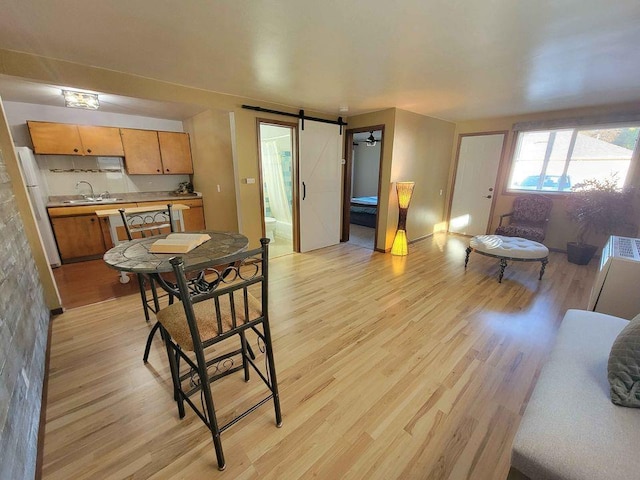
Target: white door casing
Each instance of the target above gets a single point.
(478, 162)
(320, 185)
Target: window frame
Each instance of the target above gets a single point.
(576, 127)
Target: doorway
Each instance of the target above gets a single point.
(362, 185)
(278, 160)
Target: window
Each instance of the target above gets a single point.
(556, 160)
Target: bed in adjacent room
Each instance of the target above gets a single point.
(363, 211)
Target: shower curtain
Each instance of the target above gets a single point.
(274, 182)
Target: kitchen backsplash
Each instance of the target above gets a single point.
(60, 173)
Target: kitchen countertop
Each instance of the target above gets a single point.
(63, 200)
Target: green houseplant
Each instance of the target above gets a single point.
(598, 206)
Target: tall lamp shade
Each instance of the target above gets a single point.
(404, 190)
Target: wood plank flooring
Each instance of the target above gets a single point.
(389, 367)
(92, 281)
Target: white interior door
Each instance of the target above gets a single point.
(320, 185)
(478, 162)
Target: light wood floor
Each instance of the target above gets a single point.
(389, 367)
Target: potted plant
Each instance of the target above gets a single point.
(598, 206)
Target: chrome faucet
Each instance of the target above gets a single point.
(92, 196)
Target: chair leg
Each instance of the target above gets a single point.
(245, 353)
(154, 292)
(210, 410)
(143, 297)
(272, 373)
(175, 373)
(147, 347)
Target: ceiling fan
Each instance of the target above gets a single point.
(371, 141)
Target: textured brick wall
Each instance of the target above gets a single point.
(24, 320)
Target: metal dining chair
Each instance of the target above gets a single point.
(141, 225)
(210, 332)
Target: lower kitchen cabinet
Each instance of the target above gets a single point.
(194, 217)
(78, 237)
(82, 235)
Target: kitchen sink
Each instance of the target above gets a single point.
(91, 201)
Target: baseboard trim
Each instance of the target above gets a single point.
(424, 237)
(43, 404)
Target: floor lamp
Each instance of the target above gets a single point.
(404, 190)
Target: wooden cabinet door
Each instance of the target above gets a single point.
(55, 138)
(176, 153)
(141, 151)
(101, 141)
(78, 237)
(193, 219)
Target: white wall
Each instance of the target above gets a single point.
(366, 168)
(63, 183)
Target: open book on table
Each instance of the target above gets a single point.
(179, 242)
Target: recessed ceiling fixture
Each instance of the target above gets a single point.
(371, 140)
(81, 100)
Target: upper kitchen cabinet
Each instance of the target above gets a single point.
(55, 138)
(141, 151)
(150, 152)
(175, 152)
(68, 139)
(101, 141)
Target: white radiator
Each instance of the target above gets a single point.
(616, 290)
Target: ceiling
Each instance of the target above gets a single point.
(456, 60)
(17, 90)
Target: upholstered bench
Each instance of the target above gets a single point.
(570, 429)
(508, 248)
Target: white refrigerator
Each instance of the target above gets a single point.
(38, 195)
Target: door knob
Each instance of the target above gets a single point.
(491, 189)
(488, 196)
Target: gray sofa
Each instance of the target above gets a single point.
(570, 429)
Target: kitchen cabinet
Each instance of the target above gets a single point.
(69, 139)
(80, 234)
(194, 217)
(175, 152)
(78, 237)
(148, 152)
(141, 151)
(55, 138)
(101, 141)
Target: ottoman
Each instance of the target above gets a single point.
(508, 248)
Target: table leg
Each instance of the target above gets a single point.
(544, 262)
(466, 260)
(503, 265)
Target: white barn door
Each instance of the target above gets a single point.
(478, 162)
(320, 185)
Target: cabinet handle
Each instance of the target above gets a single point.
(88, 150)
(93, 219)
(167, 169)
(75, 150)
(158, 170)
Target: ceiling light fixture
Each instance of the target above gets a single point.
(81, 100)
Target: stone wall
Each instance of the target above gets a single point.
(24, 322)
